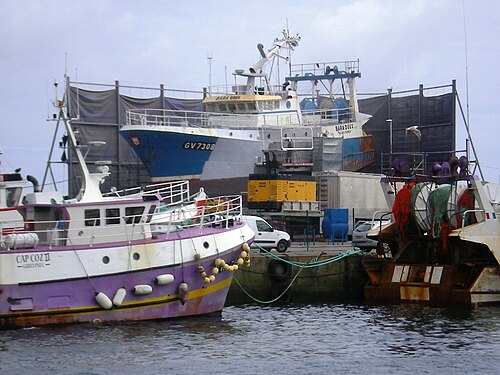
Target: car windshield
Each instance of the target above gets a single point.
(363, 227)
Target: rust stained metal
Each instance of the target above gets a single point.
(414, 293)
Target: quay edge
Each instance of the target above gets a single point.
(267, 278)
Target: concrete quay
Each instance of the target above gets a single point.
(305, 273)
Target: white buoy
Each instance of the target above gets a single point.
(142, 289)
(103, 301)
(164, 279)
(119, 297)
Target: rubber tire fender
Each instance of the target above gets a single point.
(277, 289)
(279, 270)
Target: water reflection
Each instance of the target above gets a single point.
(274, 339)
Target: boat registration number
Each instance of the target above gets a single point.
(207, 146)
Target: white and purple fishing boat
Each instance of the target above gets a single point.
(131, 256)
(254, 118)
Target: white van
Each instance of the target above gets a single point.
(266, 236)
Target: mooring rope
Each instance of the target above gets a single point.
(315, 262)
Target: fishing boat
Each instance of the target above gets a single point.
(444, 241)
(142, 254)
(255, 121)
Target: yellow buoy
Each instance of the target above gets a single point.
(240, 261)
(243, 254)
(212, 278)
(215, 271)
(245, 247)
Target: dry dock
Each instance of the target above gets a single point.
(306, 273)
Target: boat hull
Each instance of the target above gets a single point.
(432, 285)
(205, 154)
(219, 154)
(71, 298)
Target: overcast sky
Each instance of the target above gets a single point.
(400, 44)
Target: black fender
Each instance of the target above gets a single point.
(279, 270)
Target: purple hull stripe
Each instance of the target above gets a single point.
(74, 300)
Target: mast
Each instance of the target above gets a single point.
(287, 42)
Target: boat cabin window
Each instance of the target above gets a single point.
(222, 107)
(152, 210)
(268, 105)
(112, 216)
(133, 214)
(92, 217)
(13, 196)
(233, 107)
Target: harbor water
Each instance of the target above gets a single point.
(252, 339)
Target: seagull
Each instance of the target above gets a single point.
(414, 129)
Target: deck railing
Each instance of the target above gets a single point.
(210, 212)
(195, 119)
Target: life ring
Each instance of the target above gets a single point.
(280, 289)
(279, 270)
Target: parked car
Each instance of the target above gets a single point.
(359, 234)
(266, 236)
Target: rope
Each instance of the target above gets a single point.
(315, 262)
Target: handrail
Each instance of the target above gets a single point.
(170, 193)
(466, 212)
(197, 119)
(320, 68)
(210, 212)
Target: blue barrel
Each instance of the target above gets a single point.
(335, 220)
(340, 109)
(308, 105)
(326, 226)
(340, 215)
(339, 231)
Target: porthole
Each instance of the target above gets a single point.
(206, 245)
(136, 256)
(105, 259)
(269, 136)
